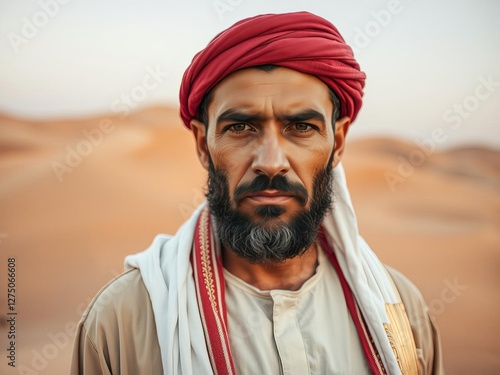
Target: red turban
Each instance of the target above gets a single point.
(301, 41)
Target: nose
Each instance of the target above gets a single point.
(270, 158)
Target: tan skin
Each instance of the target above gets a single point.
(276, 122)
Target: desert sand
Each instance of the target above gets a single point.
(77, 196)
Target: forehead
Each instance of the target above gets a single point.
(280, 90)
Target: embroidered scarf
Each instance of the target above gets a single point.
(209, 281)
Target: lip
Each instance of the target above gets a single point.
(269, 197)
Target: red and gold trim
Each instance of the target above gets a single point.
(210, 291)
(371, 353)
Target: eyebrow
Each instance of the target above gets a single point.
(233, 115)
(307, 114)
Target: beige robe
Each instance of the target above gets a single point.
(117, 334)
(293, 332)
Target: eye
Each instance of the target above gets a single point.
(301, 127)
(238, 128)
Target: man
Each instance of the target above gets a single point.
(271, 275)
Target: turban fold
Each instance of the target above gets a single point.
(301, 41)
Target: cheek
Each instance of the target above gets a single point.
(311, 161)
(234, 161)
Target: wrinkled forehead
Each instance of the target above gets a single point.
(280, 90)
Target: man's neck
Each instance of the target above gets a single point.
(288, 275)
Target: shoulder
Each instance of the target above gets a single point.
(423, 327)
(121, 307)
(118, 330)
(124, 293)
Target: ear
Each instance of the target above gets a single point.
(199, 131)
(341, 128)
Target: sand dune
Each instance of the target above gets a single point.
(76, 199)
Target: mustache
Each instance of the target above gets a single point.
(278, 182)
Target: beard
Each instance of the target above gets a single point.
(271, 240)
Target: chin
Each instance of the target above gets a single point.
(271, 217)
(270, 211)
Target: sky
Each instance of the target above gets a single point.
(433, 67)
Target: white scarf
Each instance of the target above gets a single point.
(168, 276)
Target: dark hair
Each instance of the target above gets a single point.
(202, 113)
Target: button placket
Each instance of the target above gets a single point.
(288, 336)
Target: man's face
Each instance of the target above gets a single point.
(269, 147)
